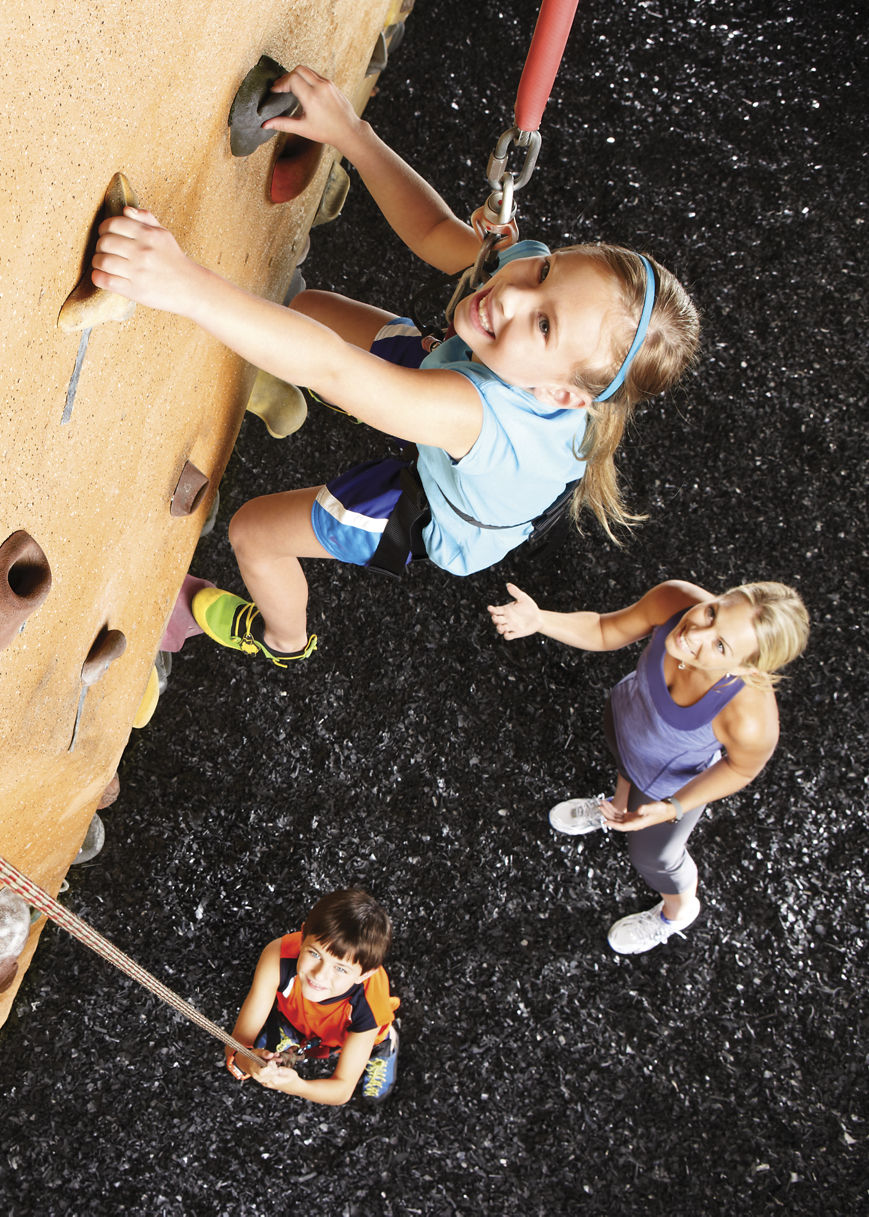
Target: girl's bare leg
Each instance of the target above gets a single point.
(269, 535)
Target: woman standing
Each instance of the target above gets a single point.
(697, 720)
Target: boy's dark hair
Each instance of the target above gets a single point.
(352, 925)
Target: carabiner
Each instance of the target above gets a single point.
(498, 214)
(530, 140)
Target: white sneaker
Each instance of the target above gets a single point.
(641, 931)
(577, 816)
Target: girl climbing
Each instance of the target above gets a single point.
(703, 684)
(532, 392)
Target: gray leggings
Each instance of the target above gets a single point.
(658, 853)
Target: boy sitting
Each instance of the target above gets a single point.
(325, 988)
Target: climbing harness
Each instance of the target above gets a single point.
(18, 882)
(402, 535)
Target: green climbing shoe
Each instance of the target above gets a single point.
(235, 623)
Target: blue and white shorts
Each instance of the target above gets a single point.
(350, 512)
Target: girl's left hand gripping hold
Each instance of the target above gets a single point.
(139, 259)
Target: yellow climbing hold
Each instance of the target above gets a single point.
(282, 407)
(334, 195)
(148, 704)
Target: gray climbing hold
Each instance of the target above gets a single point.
(94, 840)
(254, 103)
(14, 931)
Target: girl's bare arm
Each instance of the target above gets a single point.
(138, 258)
(412, 208)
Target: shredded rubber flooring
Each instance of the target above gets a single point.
(417, 754)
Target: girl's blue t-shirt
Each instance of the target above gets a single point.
(522, 460)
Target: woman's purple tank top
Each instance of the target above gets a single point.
(662, 745)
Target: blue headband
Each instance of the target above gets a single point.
(619, 379)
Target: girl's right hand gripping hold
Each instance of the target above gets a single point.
(326, 117)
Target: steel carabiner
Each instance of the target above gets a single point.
(529, 140)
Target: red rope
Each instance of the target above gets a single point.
(85, 933)
(541, 65)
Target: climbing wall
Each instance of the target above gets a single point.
(97, 523)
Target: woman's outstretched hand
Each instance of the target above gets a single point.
(519, 618)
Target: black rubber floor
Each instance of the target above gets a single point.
(417, 754)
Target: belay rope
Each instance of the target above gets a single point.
(495, 220)
(85, 933)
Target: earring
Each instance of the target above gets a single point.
(681, 666)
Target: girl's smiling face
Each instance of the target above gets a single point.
(323, 975)
(537, 319)
(716, 636)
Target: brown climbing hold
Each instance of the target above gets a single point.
(106, 648)
(110, 793)
(188, 494)
(88, 305)
(25, 581)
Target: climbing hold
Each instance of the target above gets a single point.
(211, 518)
(110, 793)
(181, 624)
(163, 664)
(88, 305)
(282, 407)
(379, 55)
(254, 103)
(334, 195)
(294, 169)
(25, 581)
(150, 697)
(394, 35)
(14, 931)
(94, 840)
(189, 492)
(108, 645)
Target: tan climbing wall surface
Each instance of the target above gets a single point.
(144, 89)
